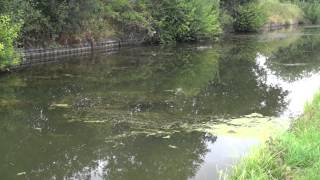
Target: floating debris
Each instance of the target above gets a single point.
(253, 115)
(294, 64)
(173, 147)
(166, 137)
(204, 47)
(68, 75)
(60, 106)
(97, 122)
(38, 129)
(21, 173)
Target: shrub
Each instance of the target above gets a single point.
(281, 12)
(129, 18)
(8, 34)
(184, 20)
(69, 22)
(226, 20)
(249, 17)
(311, 11)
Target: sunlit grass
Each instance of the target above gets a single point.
(293, 155)
(282, 13)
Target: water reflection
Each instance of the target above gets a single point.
(86, 154)
(126, 116)
(295, 68)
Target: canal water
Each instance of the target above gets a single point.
(175, 112)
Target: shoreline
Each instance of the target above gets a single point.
(31, 57)
(34, 56)
(294, 154)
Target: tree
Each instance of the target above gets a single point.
(8, 33)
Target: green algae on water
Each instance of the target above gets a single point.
(254, 125)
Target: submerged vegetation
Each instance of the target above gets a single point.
(293, 155)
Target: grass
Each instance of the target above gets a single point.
(293, 155)
(281, 13)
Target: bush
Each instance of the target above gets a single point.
(185, 20)
(226, 20)
(8, 34)
(311, 11)
(129, 18)
(71, 22)
(282, 12)
(249, 17)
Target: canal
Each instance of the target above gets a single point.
(182, 111)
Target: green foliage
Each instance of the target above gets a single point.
(61, 21)
(8, 34)
(69, 22)
(253, 14)
(249, 17)
(226, 20)
(281, 13)
(126, 11)
(311, 11)
(184, 20)
(65, 22)
(128, 17)
(294, 155)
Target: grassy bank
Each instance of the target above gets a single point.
(255, 15)
(293, 155)
(282, 13)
